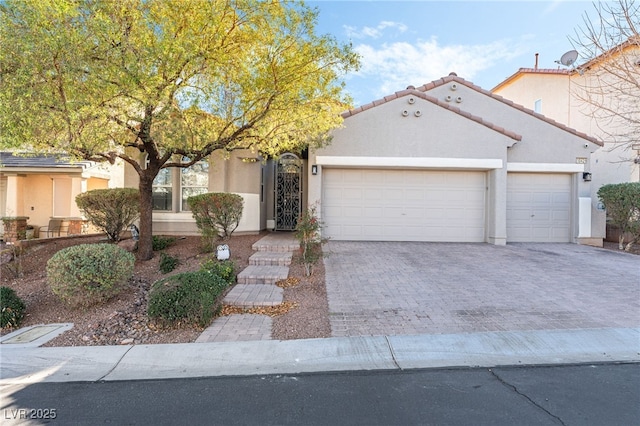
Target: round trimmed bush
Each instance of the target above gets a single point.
(12, 308)
(87, 274)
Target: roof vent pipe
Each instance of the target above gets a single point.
(536, 67)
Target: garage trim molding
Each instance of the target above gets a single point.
(545, 167)
(411, 162)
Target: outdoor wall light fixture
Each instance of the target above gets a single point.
(314, 169)
(586, 176)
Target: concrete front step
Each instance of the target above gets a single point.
(278, 242)
(268, 274)
(270, 258)
(254, 295)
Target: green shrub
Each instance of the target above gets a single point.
(86, 274)
(160, 243)
(110, 210)
(168, 263)
(12, 308)
(216, 214)
(226, 269)
(188, 297)
(622, 201)
(307, 233)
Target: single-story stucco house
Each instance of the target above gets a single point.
(447, 161)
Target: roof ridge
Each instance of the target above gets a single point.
(454, 77)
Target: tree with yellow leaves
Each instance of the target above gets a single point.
(169, 80)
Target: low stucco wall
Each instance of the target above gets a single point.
(183, 223)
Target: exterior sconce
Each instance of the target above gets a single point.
(314, 169)
(586, 176)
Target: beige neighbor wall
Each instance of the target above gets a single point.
(237, 173)
(435, 138)
(37, 200)
(551, 89)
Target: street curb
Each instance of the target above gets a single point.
(489, 349)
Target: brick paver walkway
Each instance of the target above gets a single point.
(256, 287)
(251, 295)
(387, 288)
(239, 327)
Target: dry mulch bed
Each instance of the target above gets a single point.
(123, 319)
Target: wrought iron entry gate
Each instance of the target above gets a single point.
(288, 192)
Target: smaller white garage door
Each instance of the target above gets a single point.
(403, 205)
(538, 207)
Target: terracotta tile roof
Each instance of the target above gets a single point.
(420, 92)
(522, 71)
(423, 95)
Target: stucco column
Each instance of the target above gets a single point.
(78, 186)
(497, 207)
(14, 205)
(314, 185)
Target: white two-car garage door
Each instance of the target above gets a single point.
(538, 207)
(404, 205)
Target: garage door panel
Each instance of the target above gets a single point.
(415, 197)
(352, 211)
(371, 212)
(372, 194)
(538, 207)
(406, 205)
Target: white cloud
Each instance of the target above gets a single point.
(374, 32)
(394, 66)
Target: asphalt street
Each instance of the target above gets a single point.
(586, 394)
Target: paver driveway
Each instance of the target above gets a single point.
(389, 288)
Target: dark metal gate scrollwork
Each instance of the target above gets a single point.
(288, 192)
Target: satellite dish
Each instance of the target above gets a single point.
(569, 58)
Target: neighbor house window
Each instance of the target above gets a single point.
(537, 106)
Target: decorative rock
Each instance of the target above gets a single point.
(126, 342)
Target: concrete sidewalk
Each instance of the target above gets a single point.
(24, 365)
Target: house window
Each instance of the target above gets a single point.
(172, 186)
(194, 180)
(162, 191)
(537, 106)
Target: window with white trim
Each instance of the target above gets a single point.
(194, 180)
(172, 186)
(163, 191)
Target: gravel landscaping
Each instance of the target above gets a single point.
(123, 319)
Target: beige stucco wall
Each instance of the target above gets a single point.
(551, 89)
(434, 138)
(37, 199)
(236, 172)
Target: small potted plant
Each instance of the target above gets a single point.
(30, 232)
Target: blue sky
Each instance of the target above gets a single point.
(414, 42)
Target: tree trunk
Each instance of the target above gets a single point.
(145, 244)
